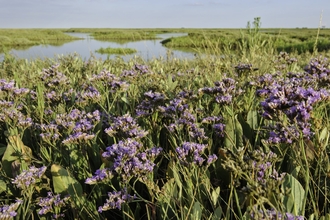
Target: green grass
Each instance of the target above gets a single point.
(26, 37)
(120, 51)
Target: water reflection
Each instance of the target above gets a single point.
(86, 45)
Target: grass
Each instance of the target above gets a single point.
(27, 37)
(91, 128)
(120, 51)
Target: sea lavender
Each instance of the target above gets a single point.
(15, 118)
(288, 97)
(54, 79)
(175, 108)
(129, 159)
(9, 211)
(187, 122)
(52, 204)
(125, 127)
(191, 153)
(273, 214)
(116, 200)
(150, 103)
(223, 91)
(137, 69)
(89, 94)
(105, 174)
(110, 81)
(29, 177)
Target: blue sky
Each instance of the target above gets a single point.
(166, 13)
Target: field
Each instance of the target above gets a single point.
(241, 133)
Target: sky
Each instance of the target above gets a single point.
(163, 14)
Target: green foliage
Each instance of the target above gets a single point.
(120, 51)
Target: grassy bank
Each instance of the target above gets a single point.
(119, 51)
(29, 37)
(289, 40)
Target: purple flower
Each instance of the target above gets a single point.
(52, 203)
(116, 199)
(29, 177)
(78, 138)
(190, 152)
(100, 175)
(9, 211)
(129, 159)
(125, 127)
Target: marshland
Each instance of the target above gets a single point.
(238, 130)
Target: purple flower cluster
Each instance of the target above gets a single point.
(29, 177)
(187, 122)
(15, 118)
(242, 67)
(52, 97)
(138, 69)
(77, 124)
(125, 127)
(11, 89)
(181, 116)
(80, 124)
(104, 174)
(218, 128)
(318, 67)
(192, 153)
(129, 159)
(54, 79)
(50, 132)
(174, 109)
(110, 81)
(150, 103)
(116, 199)
(263, 171)
(274, 215)
(9, 211)
(291, 97)
(52, 204)
(223, 91)
(283, 60)
(89, 94)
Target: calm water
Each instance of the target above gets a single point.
(147, 49)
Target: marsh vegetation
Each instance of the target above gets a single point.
(236, 135)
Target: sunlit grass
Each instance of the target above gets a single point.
(119, 51)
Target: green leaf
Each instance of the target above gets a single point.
(215, 196)
(3, 186)
(124, 99)
(217, 214)
(293, 200)
(16, 153)
(326, 217)
(295, 171)
(197, 211)
(63, 182)
(2, 149)
(234, 133)
(252, 119)
(171, 85)
(323, 134)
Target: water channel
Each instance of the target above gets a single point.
(86, 46)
